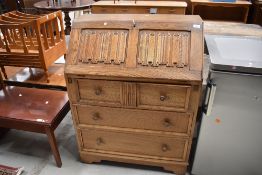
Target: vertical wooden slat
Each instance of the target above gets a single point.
(2, 45)
(50, 30)
(15, 34)
(9, 39)
(151, 48)
(4, 31)
(21, 31)
(55, 22)
(61, 25)
(29, 36)
(122, 46)
(43, 31)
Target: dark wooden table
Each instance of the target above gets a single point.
(66, 6)
(34, 110)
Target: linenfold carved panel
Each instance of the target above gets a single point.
(169, 48)
(103, 46)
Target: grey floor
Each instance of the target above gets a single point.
(32, 151)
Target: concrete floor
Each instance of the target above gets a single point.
(32, 151)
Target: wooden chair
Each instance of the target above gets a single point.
(34, 110)
(31, 40)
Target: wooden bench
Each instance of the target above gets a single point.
(34, 110)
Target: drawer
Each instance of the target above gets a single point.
(180, 123)
(102, 10)
(99, 91)
(172, 10)
(163, 97)
(141, 145)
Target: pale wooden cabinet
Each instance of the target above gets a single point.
(134, 83)
(139, 7)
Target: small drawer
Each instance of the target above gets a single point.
(99, 92)
(142, 145)
(163, 97)
(177, 123)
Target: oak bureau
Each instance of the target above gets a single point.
(134, 83)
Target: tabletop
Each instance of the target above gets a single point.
(18, 103)
(65, 5)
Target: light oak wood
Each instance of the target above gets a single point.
(139, 7)
(29, 40)
(159, 121)
(164, 97)
(134, 84)
(138, 145)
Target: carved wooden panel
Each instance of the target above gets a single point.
(128, 94)
(169, 48)
(103, 46)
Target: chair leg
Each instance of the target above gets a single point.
(4, 72)
(52, 141)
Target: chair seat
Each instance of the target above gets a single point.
(31, 105)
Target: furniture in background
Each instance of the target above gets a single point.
(256, 12)
(223, 11)
(66, 7)
(34, 110)
(10, 5)
(232, 28)
(153, 7)
(134, 83)
(31, 40)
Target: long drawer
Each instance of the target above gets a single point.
(161, 147)
(178, 123)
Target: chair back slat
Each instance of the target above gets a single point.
(4, 33)
(44, 38)
(21, 31)
(50, 31)
(2, 44)
(57, 31)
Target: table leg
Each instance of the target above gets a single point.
(52, 141)
(67, 23)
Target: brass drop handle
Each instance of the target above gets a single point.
(164, 148)
(98, 91)
(167, 122)
(163, 97)
(99, 141)
(96, 116)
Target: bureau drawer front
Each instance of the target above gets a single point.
(99, 91)
(139, 144)
(163, 97)
(179, 123)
